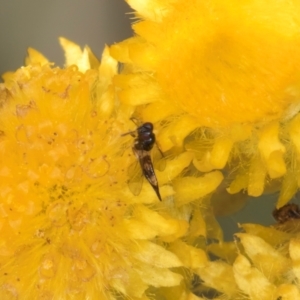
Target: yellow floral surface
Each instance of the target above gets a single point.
(220, 82)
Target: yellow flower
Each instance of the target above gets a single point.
(220, 83)
(224, 78)
(220, 80)
(70, 227)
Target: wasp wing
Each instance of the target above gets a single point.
(135, 180)
(159, 161)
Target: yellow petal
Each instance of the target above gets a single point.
(263, 256)
(272, 150)
(191, 257)
(224, 250)
(35, 57)
(174, 167)
(220, 152)
(134, 288)
(190, 188)
(251, 281)
(165, 227)
(288, 189)
(139, 230)
(219, 275)
(257, 176)
(270, 235)
(75, 56)
(174, 134)
(197, 224)
(155, 255)
(159, 277)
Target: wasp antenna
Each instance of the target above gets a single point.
(162, 154)
(132, 133)
(135, 121)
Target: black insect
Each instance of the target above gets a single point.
(143, 144)
(287, 212)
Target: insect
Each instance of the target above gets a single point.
(287, 212)
(143, 144)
